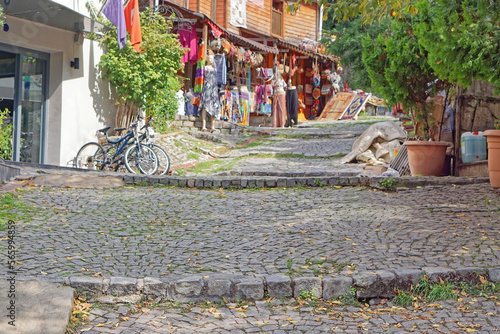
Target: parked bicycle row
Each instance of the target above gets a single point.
(134, 151)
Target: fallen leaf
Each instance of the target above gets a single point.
(103, 324)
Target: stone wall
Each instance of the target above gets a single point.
(190, 123)
(480, 108)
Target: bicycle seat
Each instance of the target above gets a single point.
(120, 129)
(104, 130)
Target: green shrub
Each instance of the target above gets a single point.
(5, 136)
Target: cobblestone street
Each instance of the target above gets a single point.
(467, 315)
(147, 231)
(166, 232)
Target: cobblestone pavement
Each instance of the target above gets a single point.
(469, 314)
(147, 231)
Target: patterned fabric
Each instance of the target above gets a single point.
(238, 13)
(198, 81)
(210, 97)
(220, 67)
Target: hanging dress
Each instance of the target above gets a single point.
(210, 97)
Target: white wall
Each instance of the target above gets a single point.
(77, 5)
(78, 103)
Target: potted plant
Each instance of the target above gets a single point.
(400, 71)
(493, 140)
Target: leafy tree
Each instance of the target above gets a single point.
(348, 46)
(367, 10)
(146, 80)
(462, 38)
(398, 67)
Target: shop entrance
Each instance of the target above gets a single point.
(23, 93)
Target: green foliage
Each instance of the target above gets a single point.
(368, 10)
(147, 79)
(462, 38)
(398, 68)
(388, 183)
(348, 46)
(5, 136)
(497, 124)
(426, 291)
(307, 295)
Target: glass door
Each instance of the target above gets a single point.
(31, 107)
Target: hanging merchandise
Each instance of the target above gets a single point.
(316, 80)
(244, 106)
(339, 68)
(220, 67)
(316, 93)
(226, 105)
(188, 40)
(235, 116)
(198, 81)
(190, 108)
(210, 95)
(226, 46)
(215, 44)
(216, 32)
(309, 88)
(325, 89)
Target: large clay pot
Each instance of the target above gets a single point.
(493, 139)
(426, 158)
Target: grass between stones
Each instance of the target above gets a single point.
(424, 296)
(13, 209)
(428, 292)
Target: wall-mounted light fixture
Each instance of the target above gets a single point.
(75, 63)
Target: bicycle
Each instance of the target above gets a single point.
(146, 137)
(136, 157)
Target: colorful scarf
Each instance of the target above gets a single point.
(198, 81)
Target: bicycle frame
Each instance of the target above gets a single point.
(124, 140)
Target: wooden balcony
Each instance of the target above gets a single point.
(277, 23)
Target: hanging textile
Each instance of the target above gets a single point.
(279, 110)
(244, 107)
(133, 21)
(220, 67)
(198, 81)
(235, 106)
(226, 105)
(188, 39)
(210, 96)
(190, 108)
(238, 13)
(215, 30)
(114, 12)
(292, 107)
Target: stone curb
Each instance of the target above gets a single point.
(290, 180)
(230, 288)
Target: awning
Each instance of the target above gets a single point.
(299, 49)
(251, 43)
(52, 14)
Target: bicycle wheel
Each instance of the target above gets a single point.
(163, 159)
(141, 158)
(91, 156)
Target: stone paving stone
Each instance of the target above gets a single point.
(122, 286)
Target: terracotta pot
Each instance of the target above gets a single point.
(426, 158)
(493, 140)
